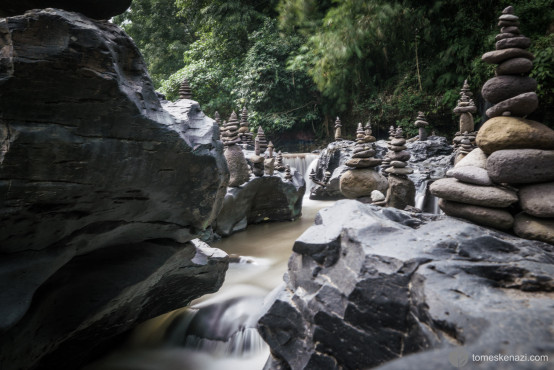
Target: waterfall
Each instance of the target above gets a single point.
(424, 200)
(304, 163)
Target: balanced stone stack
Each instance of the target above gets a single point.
(269, 161)
(257, 160)
(238, 168)
(465, 109)
(184, 90)
(244, 132)
(262, 139)
(288, 175)
(401, 190)
(338, 129)
(513, 152)
(421, 124)
(386, 160)
(279, 166)
(217, 118)
(362, 179)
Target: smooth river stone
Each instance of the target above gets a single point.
(514, 42)
(360, 183)
(507, 86)
(492, 217)
(363, 162)
(520, 105)
(400, 171)
(514, 133)
(508, 17)
(476, 158)
(467, 124)
(399, 156)
(530, 227)
(510, 29)
(538, 199)
(398, 164)
(468, 109)
(521, 166)
(501, 36)
(238, 167)
(398, 141)
(485, 196)
(470, 175)
(514, 66)
(498, 56)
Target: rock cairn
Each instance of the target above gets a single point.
(262, 139)
(288, 175)
(421, 123)
(269, 161)
(256, 159)
(512, 91)
(386, 160)
(246, 137)
(238, 167)
(362, 179)
(338, 129)
(513, 154)
(279, 166)
(401, 190)
(184, 90)
(465, 109)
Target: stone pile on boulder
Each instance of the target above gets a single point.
(269, 160)
(465, 109)
(184, 90)
(380, 288)
(421, 123)
(401, 190)
(103, 192)
(257, 160)
(238, 168)
(363, 178)
(386, 160)
(279, 166)
(513, 153)
(246, 137)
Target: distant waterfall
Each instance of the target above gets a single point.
(424, 200)
(304, 163)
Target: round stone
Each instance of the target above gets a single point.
(399, 156)
(514, 42)
(470, 175)
(400, 171)
(513, 133)
(530, 227)
(520, 105)
(398, 141)
(501, 36)
(498, 56)
(398, 164)
(363, 162)
(538, 199)
(521, 166)
(377, 196)
(492, 217)
(360, 183)
(486, 196)
(514, 66)
(504, 87)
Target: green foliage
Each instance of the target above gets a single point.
(160, 33)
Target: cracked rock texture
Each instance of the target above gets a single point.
(261, 199)
(94, 173)
(369, 286)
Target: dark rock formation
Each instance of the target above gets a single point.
(93, 169)
(97, 9)
(369, 285)
(332, 159)
(262, 199)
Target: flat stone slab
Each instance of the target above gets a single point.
(486, 196)
(471, 175)
(514, 66)
(538, 199)
(498, 56)
(520, 105)
(484, 216)
(521, 166)
(475, 158)
(535, 228)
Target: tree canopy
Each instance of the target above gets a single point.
(297, 63)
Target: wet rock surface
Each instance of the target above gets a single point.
(332, 159)
(369, 285)
(261, 199)
(94, 174)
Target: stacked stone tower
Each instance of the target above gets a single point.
(279, 166)
(246, 137)
(238, 168)
(262, 139)
(508, 181)
(362, 179)
(184, 90)
(338, 129)
(217, 118)
(465, 109)
(421, 123)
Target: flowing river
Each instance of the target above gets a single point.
(218, 331)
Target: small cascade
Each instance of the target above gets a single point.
(424, 200)
(304, 163)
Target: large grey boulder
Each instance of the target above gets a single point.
(261, 199)
(369, 285)
(91, 165)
